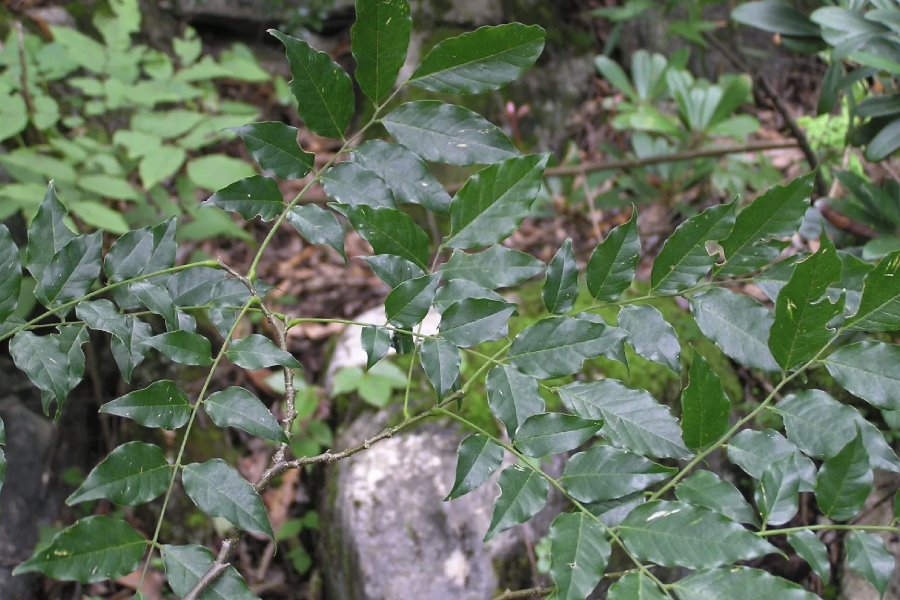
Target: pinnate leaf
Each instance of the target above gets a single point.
(236, 407)
(612, 264)
(134, 473)
(561, 286)
(274, 146)
(350, 183)
(523, 492)
(552, 433)
(220, 491)
(405, 173)
(379, 40)
(844, 481)
(249, 197)
(810, 548)
(867, 556)
(870, 370)
(472, 321)
(389, 231)
(513, 397)
(606, 473)
(579, 554)
(651, 335)
(704, 405)
(161, 404)
(817, 423)
(183, 347)
(493, 268)
(408, 303)
(479, 458)
(704, 488)
(256, 352)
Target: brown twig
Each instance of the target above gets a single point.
(535, 592)
(23, 78)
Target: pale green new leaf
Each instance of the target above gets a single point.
(405, 173)
(479, 458)
(704, 405)
(738, 582)
(561, 286)
(220, 491)
(256, 352)
(867, 556)
(810, 548)
(844, 481)
(236, 407)
(606, 473)
(705, 488)
(651, 335)
(185, 565)
(513, 397)
(274, 146)
(379, 40)
(161, 404)
(440, 359)
(870, 370)
(612, 264)
(493, 268)
(552, 433)
(134, 473)
(579, 554)
(523, 492)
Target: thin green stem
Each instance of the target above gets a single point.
(828, 527)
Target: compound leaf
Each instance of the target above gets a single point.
(753, 451)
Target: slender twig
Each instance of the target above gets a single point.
(828, 527)
(535, 592)
(23, 78)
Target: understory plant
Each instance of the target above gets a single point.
(640, 482)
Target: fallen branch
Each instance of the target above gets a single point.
(535, 592)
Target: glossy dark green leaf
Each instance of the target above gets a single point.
(704, 488)
(867, 556)
(393, 270)
(879, 307)
(408, 303)
(885, 142)
(379, 39)
(612, 512)
(323, 90)
(513, 397)
(775, 17)
(161, 404)
(684, 258)
(606, 473)
(45, 364)
(561, 286)
(704, 406)
(461, 289)
(817, 423)
(376, 341)
(651, 335)
(479, 458)
(389, 231)
(318, 226)
(810, 548)
(579, 554)
(351, 183)
(249, 197)
(402, 343)
(10, 274)
(738, 582)
(869, 370)
(47, 235)
(552, 433)
(777, 494)
(844, 481)
(480, 61)
(635, 586)
(737, 324)
(183, 347)
(71, 272)
(194, 287)
(633, 419)
(141, 252)
(493, 202)
(472, 321)
(157, 299)
(674, 534)
(440, 359)
(881, 454)
(236, 407)
(93, 549)
(523, 492)
(557, 346)
(800, 329)
(493, 268)
(274, 146)
(256, 352)
(134, 473)
(775, 215)
(185, 565)
(446, 133)
(405, 173)
(612, 264)
(754, 451)
(220, 491)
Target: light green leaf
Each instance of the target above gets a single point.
(134, 473)
(376, 341)
(100, 216)
(561, 286)
(236, 407)
(440, 359)
(634, 586)
(674, 534)
(389, 231)
(513, 397)
(737, 324)
(579, 554)
(817, 423)
(493, 268)
(256, 195)
(256, 352)
(350, 183)
(393, 270)
(10, 274)
(185, 565)
(651, 336)
(216, 171)
(844, 481)
(479, 458)
(867, 556)
(738, 582)
(869, 370)
(323, 90)
(405, 173)
(183, 347)
(93, 549)
(161, 404)
(704, 488)
(220, 491)
(408, 303)
(777, 493)
(447, 133)
(704, 406)
(492, 203)
(612, 265)
(606, 473)
(633, 419)
(160, 163)
(168, 124)
(379, 40)
(684, 258)
(523, 492)
(274, 146)
(552, 433)
(318, 226)
(810, 548)
(472, 321)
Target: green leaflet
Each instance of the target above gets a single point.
(606, 473)
(754, 451)
(323, 90)
(376, 341)
(869, 370)
(257, 351)
(472, 321)
(677, 534)
(651, 336)
(457, 290)
(161, 404)
(523, 492)
(46, 365)
(93, 549)
(704, 488)
(612, 264)
(274, 146)
(446, 133)
(237, 407)
(704, 405)
(479, 458)
(318, 226)
(551, 433)
(879, 307)
(389, 231)
(844, 481)
(635, 586)
(47, 235)
(134, 473)
(800, 329)
(220, 491)
(633, 419)
(561, 286)
(405, 173)
(71, 272)
(393, 270)
(493, 202)
(379, 40)
(738, 582)
(867, 556)
(183, 347)
(408, 303)
(493, 268)
(350, 183)
(250, 197)
(579, 554)
(811, 549)
(480, 61)
(440, 360)
(513, 397)
(684, 259)
(817, 423)
(778, 490)
(185, 565)
(10, 274)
